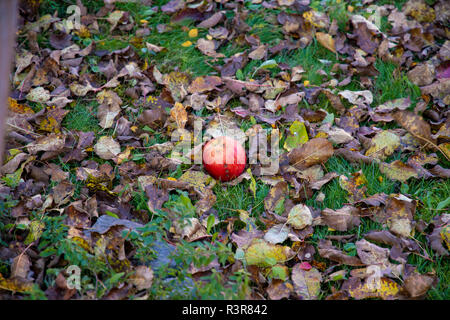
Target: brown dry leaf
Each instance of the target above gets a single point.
(211, 21)
(208, 47)
(335, 134)
(306, 283)
(279, 289)
(142, 278)
(190, 229)
(20, 266)
(285, 2)
(154, 48)
(109, 108)
(386, 290)
(203, 84)
(244, 238)
(436, 238)
(328, 251)
(398, 170)
(179, 115)
(153, 118)
(107, 148)
(63, 192)
(342, 219)
(276, 196)
(371, 254)
(315, 151)
(277, 234)
(13, 163)
(114, 18)
(356, 186)
(417, 285)
(259, 53)
(177, 83)
(206, 202)
(317, 184)
(393, 105)
(156, 197)
(81, 90)
(15, 284)
(326, 40)
(419, 10)
(415, 125)
(364, 97)
(55, 116)
(336, 102)
(383, 145)
(52, 142)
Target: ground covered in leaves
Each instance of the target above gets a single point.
(93, 182)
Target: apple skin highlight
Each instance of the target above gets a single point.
(224, 158)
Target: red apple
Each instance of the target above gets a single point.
(224, 158)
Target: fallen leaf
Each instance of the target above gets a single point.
(300, 216)
(207, 47)
(315, 151)
(306, 283)
(364, 97)
(398, 170)
(417, 285)
(297, 136)
(179, 115)
(277, 234)
(328, 251)
(415, 125)
(264, 254)
(279, 289)
(342, 219)
(142, 278)
(383, 145)
(107, 148)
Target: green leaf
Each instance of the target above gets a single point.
(269, 64)
(12, 180)
(350, 248)
(279, 208)
(112, 214)
(297, 136)
(239, 75)
(115, 278)
(270, 261)
(443, 204)
(279, 272)
(329, 118)
(210, 222)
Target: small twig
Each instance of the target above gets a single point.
(431, 142)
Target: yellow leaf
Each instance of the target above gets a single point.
(264, 254)
(179, 114)
(384, 289)
(326, 40)
(193, 33)
(49, 125)
(186, 44)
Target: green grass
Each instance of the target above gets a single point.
(389, 86)
(82, 118)
(239, 197)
